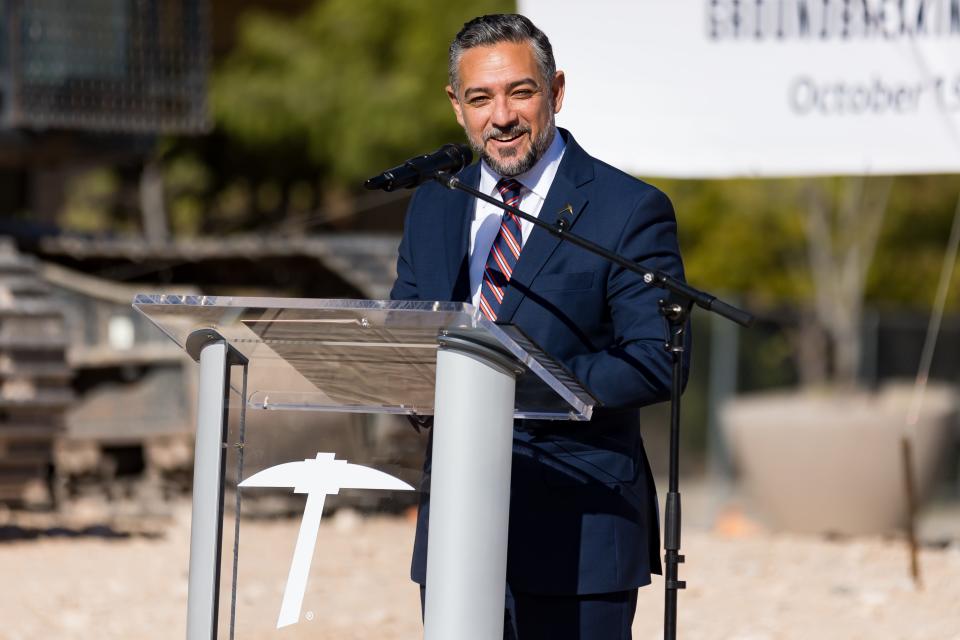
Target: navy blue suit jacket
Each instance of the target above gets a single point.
(583, 510)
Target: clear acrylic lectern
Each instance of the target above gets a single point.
(363, 357)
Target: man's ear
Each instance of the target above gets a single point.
(557, 88)
(455, 103)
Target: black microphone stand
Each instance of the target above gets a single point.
(676, 312)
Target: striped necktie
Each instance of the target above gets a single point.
(503, 254)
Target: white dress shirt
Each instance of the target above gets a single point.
(486, 218)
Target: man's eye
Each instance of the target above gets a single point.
(479, 101)
(523, 93)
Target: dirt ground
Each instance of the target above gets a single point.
(743, 584)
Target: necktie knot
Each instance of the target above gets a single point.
(510, 191)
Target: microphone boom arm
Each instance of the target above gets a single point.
(652, 277)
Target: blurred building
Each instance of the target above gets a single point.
(94, 81)
(83, 83)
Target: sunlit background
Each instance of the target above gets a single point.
(220, 148)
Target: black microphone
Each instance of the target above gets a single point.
(416, 171)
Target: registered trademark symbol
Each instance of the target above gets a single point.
(309, 615)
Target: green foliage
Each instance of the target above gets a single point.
(748, 238)
(733, 230)
(186, 179)
(354, 86)
(910, 255)
(87, 203)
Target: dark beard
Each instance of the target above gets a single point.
(514, 166)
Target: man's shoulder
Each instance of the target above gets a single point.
(616, 182)
(625, 193)
(620, 180)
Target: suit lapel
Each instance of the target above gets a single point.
(564, 198)
(456, 237)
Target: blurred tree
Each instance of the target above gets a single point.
(822, 246)
(89, 196)
(326, 99)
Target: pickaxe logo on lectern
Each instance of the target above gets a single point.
(318, 478)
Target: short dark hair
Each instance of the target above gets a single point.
(502, 27)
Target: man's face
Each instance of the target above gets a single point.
(505, 107)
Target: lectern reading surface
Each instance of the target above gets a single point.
(367, 356)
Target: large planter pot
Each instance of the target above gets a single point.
(831, 462)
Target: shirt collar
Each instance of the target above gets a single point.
(537, 179)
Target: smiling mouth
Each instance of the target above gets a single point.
(507, 140)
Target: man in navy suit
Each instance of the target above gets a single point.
(584, 531)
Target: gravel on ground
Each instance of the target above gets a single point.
(743, 584)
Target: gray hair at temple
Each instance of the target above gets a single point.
(494, 29)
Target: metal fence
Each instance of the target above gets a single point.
(108, 65)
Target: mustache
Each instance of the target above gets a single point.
(512, 132)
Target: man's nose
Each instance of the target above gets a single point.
(504, 115)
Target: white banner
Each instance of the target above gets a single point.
(713, 88)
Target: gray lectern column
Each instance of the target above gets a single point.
(469, 492)
(206, 518)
